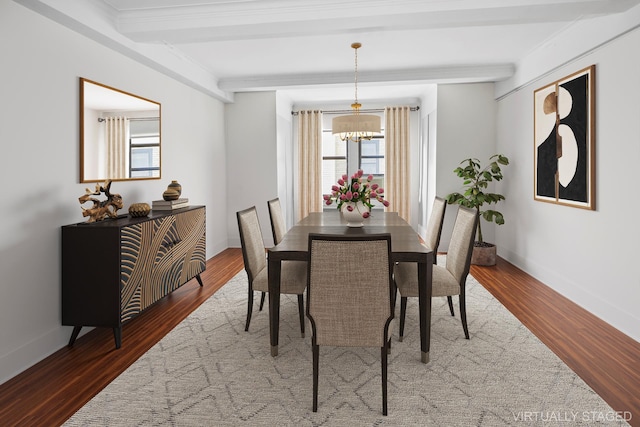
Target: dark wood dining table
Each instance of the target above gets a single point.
(405, 247)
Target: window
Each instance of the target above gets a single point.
(340, 158)
(372, 160)
(334, 160)
(144, 148)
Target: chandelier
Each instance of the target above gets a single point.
(355, 126)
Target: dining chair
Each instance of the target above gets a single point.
(449, 279)
(349, 295)
(278, 227)
(432, 240)
(293, 278)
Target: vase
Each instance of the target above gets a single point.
(170, 194)
(354, 217)
(137, 210)
(175, 185)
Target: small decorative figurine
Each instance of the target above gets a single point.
(101, 208)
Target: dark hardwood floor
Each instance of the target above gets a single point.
(50, 392)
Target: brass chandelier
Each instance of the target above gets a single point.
(355, 126)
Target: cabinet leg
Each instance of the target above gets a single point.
(199, 279)
(117, 335)
(74, 335)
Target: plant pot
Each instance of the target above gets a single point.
(483, 254)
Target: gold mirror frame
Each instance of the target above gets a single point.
(139, 119)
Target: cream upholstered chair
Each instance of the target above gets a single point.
(432, 240)
(434, 225)
(449, 279)
(349, 294)
(278, 226)
(294, 273)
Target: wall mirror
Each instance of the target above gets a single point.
(120, 134)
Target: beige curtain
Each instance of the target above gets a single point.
(397, 184)
(309, 163)
(116, 135)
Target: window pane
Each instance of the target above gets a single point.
(145, 140)
(374, 147)
(332, 146)
(373, 166)
(145, 161)
(332, 170)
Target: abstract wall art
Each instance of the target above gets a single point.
(564, 141)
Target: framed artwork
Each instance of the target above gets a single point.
(564, 141)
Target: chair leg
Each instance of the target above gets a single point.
(262, 300)
(450, 301)
(249, 308)
(301, 313)
(394, 297)
(383, 354)
(315, 376)
(403, 312)
(463, 315)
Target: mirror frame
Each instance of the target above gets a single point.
(84, 178)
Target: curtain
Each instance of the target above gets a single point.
(309, 163)
(397, 174)
(116, 136)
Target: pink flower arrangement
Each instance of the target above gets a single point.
(356, 189)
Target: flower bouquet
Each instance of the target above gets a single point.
(356, 189)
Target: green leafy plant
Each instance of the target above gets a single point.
(475, 181)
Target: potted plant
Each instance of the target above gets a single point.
(475, 182)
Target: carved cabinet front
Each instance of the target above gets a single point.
(113, 270)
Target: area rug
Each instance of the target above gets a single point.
(209, 372)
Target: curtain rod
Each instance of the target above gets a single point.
(100, 119)
(370, 110)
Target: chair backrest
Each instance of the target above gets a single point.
(461, 244)
(253, 252)
(278, 227)
(349, 289)
(434, 225)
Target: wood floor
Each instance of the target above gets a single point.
(51, 391)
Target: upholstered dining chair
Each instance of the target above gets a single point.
(434, 225)
(278, 227)
(349, 295)
(432, 240)
(293, 278)
(449, 279)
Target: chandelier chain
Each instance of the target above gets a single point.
(355, 47)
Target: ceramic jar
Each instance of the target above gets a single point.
(139, 209)
(170, 194)
(175, 185)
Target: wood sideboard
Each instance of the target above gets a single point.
(112, 270)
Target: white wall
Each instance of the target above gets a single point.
(588, 256)
(252, 159)
(39, 138)
(466, 127)
(284, 131)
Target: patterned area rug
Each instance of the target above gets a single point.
(209, 372)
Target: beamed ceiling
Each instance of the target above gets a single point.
(303, 46)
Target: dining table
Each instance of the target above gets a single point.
(406, 246)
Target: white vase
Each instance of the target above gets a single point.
(354, 218)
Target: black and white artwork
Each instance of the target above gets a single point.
(564, 138)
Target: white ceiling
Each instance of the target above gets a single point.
(301, 45)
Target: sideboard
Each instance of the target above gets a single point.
(114, 269)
